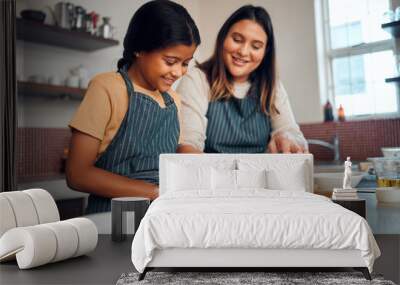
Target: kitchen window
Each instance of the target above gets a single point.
(357, 55)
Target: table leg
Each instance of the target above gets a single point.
(116, 221)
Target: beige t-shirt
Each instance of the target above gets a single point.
(105, 104)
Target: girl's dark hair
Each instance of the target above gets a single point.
(156, 25)
(263, 78)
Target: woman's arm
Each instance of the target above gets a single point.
(83, 175)
(187, 148)
(286, 136)
(194, 90)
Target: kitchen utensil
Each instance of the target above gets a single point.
(37, 78)
(54, 80)
(105, 30)
(391, 151)
(33, 15)
(79, 20)
(72, 81)
(82, 73)
(64, 14)
(397, 14)
(388, 195)
(91, 24)
(387, 170)
(388, 16)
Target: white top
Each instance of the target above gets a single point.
(195, 95)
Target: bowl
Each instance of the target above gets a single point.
(33, 15)
(391, 151)
(325, 182)
(387, 170)
(388, 195)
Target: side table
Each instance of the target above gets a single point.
(137, 205)
(356, 205)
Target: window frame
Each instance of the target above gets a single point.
(328, 55)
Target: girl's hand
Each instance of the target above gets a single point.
(284, 143)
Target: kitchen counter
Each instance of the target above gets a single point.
(384, 219)
(57, 188)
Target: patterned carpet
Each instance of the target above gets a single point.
(243, 278)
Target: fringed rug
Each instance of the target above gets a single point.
(243, 278)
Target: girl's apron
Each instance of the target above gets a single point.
(146, 131)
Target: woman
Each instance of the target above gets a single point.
(128, 118)
(234, 101)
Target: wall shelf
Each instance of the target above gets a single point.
(31, 31)
(392, 28)
(392, 79)
(46, 90)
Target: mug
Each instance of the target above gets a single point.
(397, 14)
(72, 81)
(37, 78)
(388, 16)
(54, 80)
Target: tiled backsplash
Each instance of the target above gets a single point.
(40, 150)
(40, 153)
(358, 139)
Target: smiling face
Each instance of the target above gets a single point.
(244, 49)
(158, 70)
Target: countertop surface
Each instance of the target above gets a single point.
(57, 188)
(382, 218)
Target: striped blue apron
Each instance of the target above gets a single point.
(146, 131)
(237, 126)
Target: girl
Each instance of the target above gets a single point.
(127, 119)
(234, 101)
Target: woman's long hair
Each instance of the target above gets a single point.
(263, 78)
(155, 25)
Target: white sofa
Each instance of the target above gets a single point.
(31, 231)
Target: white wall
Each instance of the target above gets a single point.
(296, 52)
(294, 28)
(33, 59)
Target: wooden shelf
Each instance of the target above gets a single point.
(47, 90)
(52, 35)
(392, 28)
(392, 79)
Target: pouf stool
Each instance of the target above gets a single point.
(138, 205)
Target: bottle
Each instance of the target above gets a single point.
(328, 112)
(341, 116)
(105, 30)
